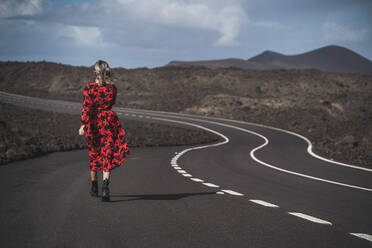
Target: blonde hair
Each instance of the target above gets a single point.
(102, 71)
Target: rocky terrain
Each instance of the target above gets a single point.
(331, 109)
(22, 137)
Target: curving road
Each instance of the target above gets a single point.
(257, 187)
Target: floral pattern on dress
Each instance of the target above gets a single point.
(103, 132)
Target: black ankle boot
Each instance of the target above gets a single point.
(105, 190)
(94, 189)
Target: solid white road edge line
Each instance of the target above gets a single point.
(363, 236)
(309, 148)
(269, 165)
(310, 218)
(264, 203)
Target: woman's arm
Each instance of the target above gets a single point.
(85, 110)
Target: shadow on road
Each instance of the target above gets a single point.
(158, 196)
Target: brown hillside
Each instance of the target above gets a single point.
(332, 109)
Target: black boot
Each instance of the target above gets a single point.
(94, 189)
(105, 190)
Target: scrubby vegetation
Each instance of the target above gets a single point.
(25, 133)
(331, 109)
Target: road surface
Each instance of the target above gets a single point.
(256, 187)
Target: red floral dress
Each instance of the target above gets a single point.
(104, 134)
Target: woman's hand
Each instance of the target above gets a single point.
(81, 130)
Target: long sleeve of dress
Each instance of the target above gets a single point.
(85, 110)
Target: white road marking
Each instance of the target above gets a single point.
(254, 150)
(178, 155)
(211, 185)
(197, 179)
(220, 192)
(310, 218)
(309, 148)
(272, 166)
(231, 192)
(263, 203)
(363, 236)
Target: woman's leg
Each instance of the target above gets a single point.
(105, 184)
(106, 175)
(93, 175)
(94, 187)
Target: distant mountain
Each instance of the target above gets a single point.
(329, 58)
(223, 63)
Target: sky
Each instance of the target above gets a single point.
(151, 33)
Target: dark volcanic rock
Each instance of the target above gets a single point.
(22, 137)
(323, 106)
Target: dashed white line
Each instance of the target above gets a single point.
(197, 180)
(178, 155)
(266, 142)
(309, 148)
(231, 192)
(220, 192)
(211, 185)
(310, 218)
(363, 236)
(300, 215)
(264, 203)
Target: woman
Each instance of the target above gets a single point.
(101, 128)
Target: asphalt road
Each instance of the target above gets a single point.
(257, 187)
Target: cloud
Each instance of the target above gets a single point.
(336, 33)
(10, 8)
(153, 32)
(82, 35)
(224, 17)
(267, 24)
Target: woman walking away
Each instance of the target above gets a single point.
(101, 128)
